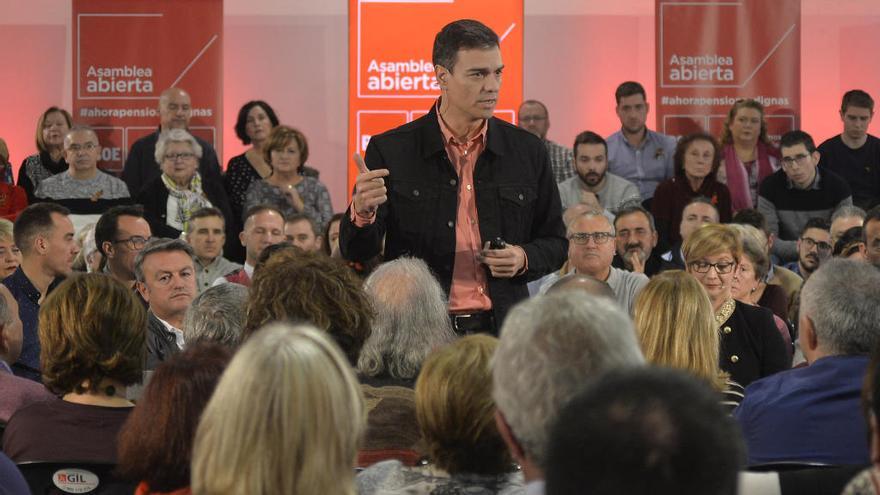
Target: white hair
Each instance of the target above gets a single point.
(175, 136)
(551, 346)
(411, 319)
(842, 299)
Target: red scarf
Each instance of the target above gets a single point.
(738, 179)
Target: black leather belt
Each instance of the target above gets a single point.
(482, 322)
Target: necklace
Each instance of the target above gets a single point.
(725, 311)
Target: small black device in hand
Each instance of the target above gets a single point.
(497, 243)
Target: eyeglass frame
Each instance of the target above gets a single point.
(813, 243)
(800, 160)
(585, 236)
(131, 242)
(710, 266)
(173, 157)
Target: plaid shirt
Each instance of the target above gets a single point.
(560, 161)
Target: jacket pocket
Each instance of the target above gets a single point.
(516, 208)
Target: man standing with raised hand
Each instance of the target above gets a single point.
(442, 187)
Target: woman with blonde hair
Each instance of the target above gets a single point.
(676, 328)
(751, 346)
(286, 417)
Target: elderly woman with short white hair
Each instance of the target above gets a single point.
(180, 190)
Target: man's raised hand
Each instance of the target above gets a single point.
(369, 188)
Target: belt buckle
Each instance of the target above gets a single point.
(455, 319)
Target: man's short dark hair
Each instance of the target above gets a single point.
(872, 216)
(629, 88)
(463, 34)
(159, 245)
(751, 216)
(241, 120)
(794, 138)
(589, 137)
(253, 210)
(631, 209)
(816, 223)
(644, 431)
(703, 200)
(299, 217)
(856, 98)
(34, 220)
(208, 211)
(108, 225)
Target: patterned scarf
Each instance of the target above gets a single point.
(189, 199)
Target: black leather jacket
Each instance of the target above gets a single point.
(516, 198)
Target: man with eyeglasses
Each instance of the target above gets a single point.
(83, 189)
(814, 247)
(591, 249)
(175, 112)
(533, 117)
(120, 234)
(798, 192)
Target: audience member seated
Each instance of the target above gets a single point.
(206, 233)
(550, 347)
(252, 126)
(141, 166)
(287, 188)
(534, 117)
(811, 414)
(83, 189)
(777, 274)
(13, 199)
(845, 218)
(301, 231)
(88, 259)
(330, 240)
(676, 327)
(92, 336)
(747, 156)
(457, 418)
(155, 443)
(52, 126)
(10, 256)
(816, 236)
(120, 234)
(699, 211)
(180, 190)
(586, 283)
(636, 241)
(166, 280)
(263, 227)
(748, 280)
(216, 315)
(590, 252)
(297, 286)
(751, 346)
(868, 481)
(851, 245)
(697, 158)
(593, 184)
(286, 417)
(15, 392)
(45, 236)
(644, 432)
(872, 236)
(799, 192)
(853, 154)
(411, 320)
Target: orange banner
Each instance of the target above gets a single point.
(711, 53)
(126, 53)
(391, 77)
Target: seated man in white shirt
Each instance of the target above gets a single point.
(593, 184)
(263, 227)
(206, 233)
(166, 279)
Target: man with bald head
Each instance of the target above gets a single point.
(533, 117)
(83, 189)
(175, 112)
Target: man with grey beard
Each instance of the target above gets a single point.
(636, 240)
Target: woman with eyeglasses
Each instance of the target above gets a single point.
(180, 191)
(751, 345)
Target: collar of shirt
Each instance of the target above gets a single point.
(450, 139)
(178, 334)
(4, 368)
(249, 269)
(18, 280)
(814, 186)
(649, 138)
(535, 487)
